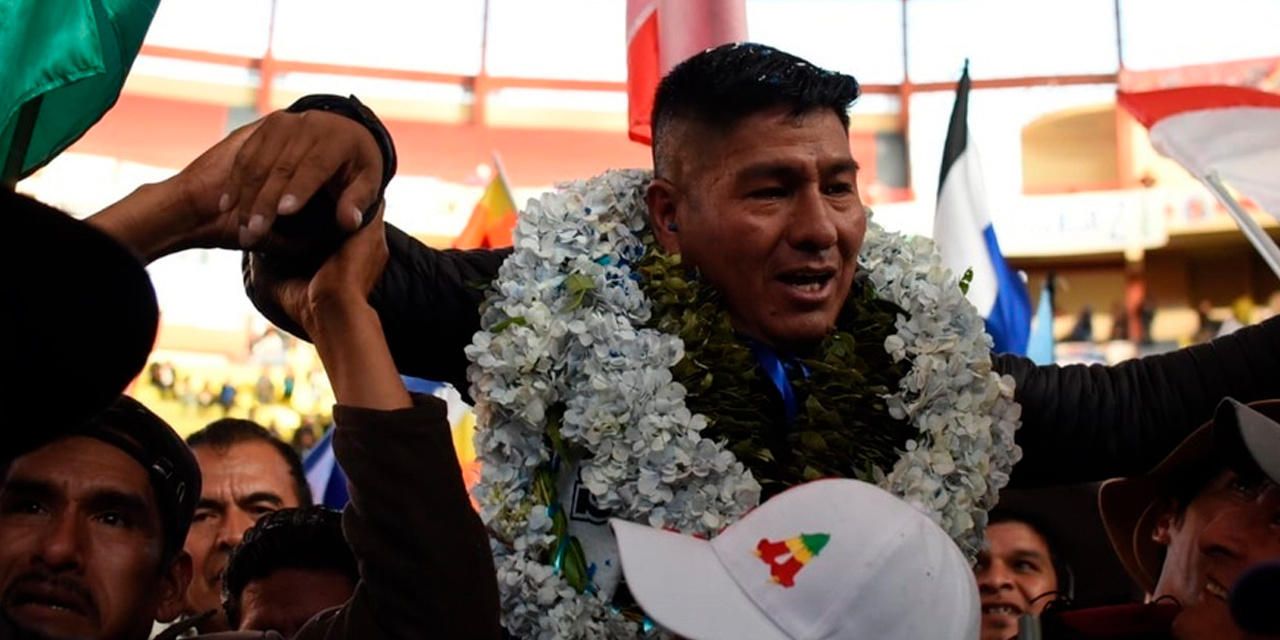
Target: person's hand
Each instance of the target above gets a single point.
(290, 158)
(200, 186)
(343, 282)
(181, 212)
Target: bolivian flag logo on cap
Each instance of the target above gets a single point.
(787, 557)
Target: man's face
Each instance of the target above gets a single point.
(1012, 574)
(241, 484)
(770, 216)
(287, 598)
(1229, 526)
(81, 543)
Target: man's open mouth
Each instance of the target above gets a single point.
(811, 281)
(1001, 609)
(49, 597)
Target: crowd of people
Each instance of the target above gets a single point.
(110, 522)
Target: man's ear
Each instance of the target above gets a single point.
(173, 584)
(662, 198)
(1162, 532)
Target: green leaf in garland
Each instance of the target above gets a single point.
(813, 441)
(554, 416)
(559, 524)
(965, 280)
(579, 286)
(574, 565)
(517, 321)
(544, 485)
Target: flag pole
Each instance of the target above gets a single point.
(502, 178)
(24, 128)
(1257, 237)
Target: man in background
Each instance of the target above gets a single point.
(248, 474)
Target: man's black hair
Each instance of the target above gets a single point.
(309, 538)
(221, 435)
(1192, 481)
(1057, 549)
(719, 87)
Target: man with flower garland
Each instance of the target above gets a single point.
(724, 122)
(788, 345)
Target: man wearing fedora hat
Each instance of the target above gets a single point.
(1200, 520)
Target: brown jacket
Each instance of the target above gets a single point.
(425, 566)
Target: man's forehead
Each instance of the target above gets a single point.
(244, 468)
(81, 463)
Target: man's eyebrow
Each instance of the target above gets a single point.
(1028, 554)
(29, 487)
(262, 496)
(210, 503)
(841, 166)
(132, 505)
(768, 169)
(785, 170)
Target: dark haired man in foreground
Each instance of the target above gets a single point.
(91, 528)
(293, 564)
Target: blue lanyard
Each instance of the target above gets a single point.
(775, 369)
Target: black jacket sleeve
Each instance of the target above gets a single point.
(428, 300)
(1091, 422)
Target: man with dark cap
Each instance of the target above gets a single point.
(92, 525)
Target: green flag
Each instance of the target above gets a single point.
(64, 63)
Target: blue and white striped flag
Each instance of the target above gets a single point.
(1040, 346)
(328, 482)
(962, 228)
(325, 476)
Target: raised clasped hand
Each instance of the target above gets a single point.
(289, 158)
(346, 278)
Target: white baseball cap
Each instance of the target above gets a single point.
(823, 560)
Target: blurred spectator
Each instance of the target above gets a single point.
(1241, 316)
(1119, 322)
(265, 389)
(206, 397)
(1273, 306)
(304, 439)
(227, 397)
(1083, 329)
(1146, 317)
(1208, 326)
(289, 381)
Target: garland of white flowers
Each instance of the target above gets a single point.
(566, 326)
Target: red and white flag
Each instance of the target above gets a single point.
(662, 34)
(1233, 132)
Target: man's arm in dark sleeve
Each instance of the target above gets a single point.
(425, 566)
(1090, 422)
(427, 299)
(429, 304)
